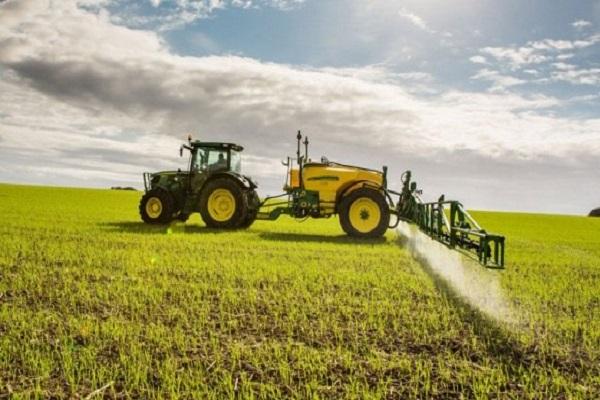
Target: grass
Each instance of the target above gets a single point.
(93, 302)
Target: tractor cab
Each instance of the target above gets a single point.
(213, 157)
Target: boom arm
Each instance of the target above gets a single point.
(449, 223)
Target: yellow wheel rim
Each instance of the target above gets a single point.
(154, 207)
(364, 214)
(221, 205)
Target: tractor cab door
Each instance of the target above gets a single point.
(204, 163)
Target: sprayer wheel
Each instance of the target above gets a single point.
(364, 213)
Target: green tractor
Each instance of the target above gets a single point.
(213, 185)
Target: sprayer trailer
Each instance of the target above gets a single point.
(215, 187)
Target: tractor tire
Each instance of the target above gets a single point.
(364, 213)
(253, 202)
(156, 207)
(222, 204)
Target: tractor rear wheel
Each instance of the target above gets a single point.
(222, 204)
(156, 207)
(364, 213)
(253, 202)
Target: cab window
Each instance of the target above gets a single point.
(217, 160)
(236, 161)
(210, 160)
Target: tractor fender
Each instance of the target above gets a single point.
(356, 185)
(243, 181)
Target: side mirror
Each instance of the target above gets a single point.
(413, 186)
(181, 151)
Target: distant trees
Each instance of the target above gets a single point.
(122, 188)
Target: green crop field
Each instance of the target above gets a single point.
(95, 304)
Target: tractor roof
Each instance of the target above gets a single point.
(216, 145)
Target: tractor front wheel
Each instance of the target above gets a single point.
(156, 207)
(222, 204)
(364, 213)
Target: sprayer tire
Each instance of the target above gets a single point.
(375, 202)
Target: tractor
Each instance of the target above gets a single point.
(213, 185)
(225, 198)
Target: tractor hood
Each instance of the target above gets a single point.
(163, 178)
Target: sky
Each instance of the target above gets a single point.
(493, 103)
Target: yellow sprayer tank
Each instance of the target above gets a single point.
(331, 179)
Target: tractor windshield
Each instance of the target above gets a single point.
(217, 160)
(214, 160)
(236, 161)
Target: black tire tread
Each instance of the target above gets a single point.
(253, 202)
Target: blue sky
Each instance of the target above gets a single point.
(491, 102)
(406, 36)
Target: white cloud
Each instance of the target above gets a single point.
(174, 14)
(581, 24)
(538, 52)
(561, 45)
(582, 76)
(478, 60)
(379, 74)
(415, 20)
(284, 4)
(515, 57)
(500, 82)
(587, 98)
(565, 56)
(563, 66)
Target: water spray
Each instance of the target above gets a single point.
(477, 286)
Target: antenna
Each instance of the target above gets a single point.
(305, 148)
(299, 137)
